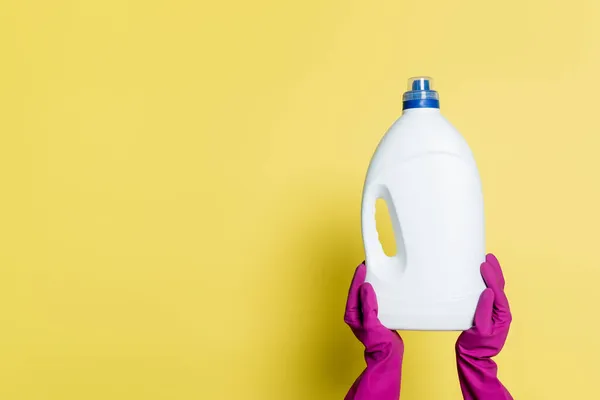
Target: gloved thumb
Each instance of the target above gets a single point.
(483, 313)
(369, 308)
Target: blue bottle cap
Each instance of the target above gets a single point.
(420, 94)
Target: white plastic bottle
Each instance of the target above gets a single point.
(425, 172)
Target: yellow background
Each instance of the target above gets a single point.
(181, 186)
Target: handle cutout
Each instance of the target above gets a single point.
(385, 228)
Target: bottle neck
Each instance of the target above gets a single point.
(421, 110)
(423, 103)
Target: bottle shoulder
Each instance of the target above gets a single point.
(416, 135)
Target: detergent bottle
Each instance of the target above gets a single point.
(425, 172)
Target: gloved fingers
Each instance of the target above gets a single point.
(493, 260)
(483, 313)
(492, 274)
(352, 314)
(368, 302)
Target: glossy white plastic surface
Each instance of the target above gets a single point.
(425, 172)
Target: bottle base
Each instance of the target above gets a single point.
(441, 322)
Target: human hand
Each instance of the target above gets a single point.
(476, 346)
(384, 348)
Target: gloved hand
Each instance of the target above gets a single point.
(383, 348)
(475, 347)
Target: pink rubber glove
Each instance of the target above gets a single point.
(476, 347)
(383, 348)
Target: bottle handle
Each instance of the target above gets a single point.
(378, 262)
